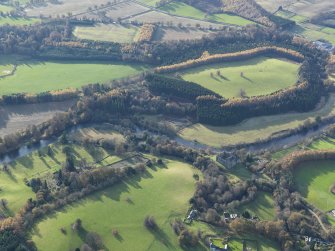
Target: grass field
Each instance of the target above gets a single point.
(38, 76)
(107, 32)
(149, 2)
(185, 10)
(314, 180)
(262, 206)
(38, 164)
(254, 128)
(20, 21)
(162, 193)
(5, 8)
(261, 75)
(236, 242)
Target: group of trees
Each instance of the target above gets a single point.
(206, 58)
(173, 87)
(146, 33)
(49, 96)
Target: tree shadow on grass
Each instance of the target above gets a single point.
(162, 237)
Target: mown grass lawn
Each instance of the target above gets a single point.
(254, 128)
(262, 206)
(107, 32)
(37, 164)
(314, 180)
(19, 21)
(34, 76)
(257, 76)
(162, 192)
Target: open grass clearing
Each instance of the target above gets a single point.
(253, 129)
(257, 76)
(159, 17)
(107, 32)
(149, 2)
(262, 206)
(96, 133)
(19, 21)
(314, 181)
(185, 10)
(5, 8)
(38, 164)
(125, 9)
(104, 211)
(236, 242)
(69, 6)
(33, 76)
(176, 33)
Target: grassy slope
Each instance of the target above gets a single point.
(163, 193)
(102, 32)
(34, 165)
(261, 76)
(254, 128)
(5, 8)
(235, 244)
(37, 76)
(183, 9)
(313, 180)
(262, 206)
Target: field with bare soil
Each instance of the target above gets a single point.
(18, 117)
(169, 34)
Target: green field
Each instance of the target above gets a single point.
(38, 164)
(185, 10)
(34, 76)
(107, 32)
(162, 193)
(150, 2)
(5, 8)
(314, 180)
(254, 128)
(261, 75)
(262, 206)
(18, 21)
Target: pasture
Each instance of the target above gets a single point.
(253, 129)
(314, 181)
(38, 164)
(160, 17)
(175, 33)
(107, 32)
(256, 76)
(5, 8)
(185, 10)
(123, 207)
(64, 8)
(304, 8)
(262, 206)
(19, 21)
(33, 76)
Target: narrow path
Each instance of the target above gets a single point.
(319, 220)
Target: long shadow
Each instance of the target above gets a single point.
(119, 237)
(248, 79)
(162, 237)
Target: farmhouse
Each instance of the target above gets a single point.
(228, 159)
(324, 45)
